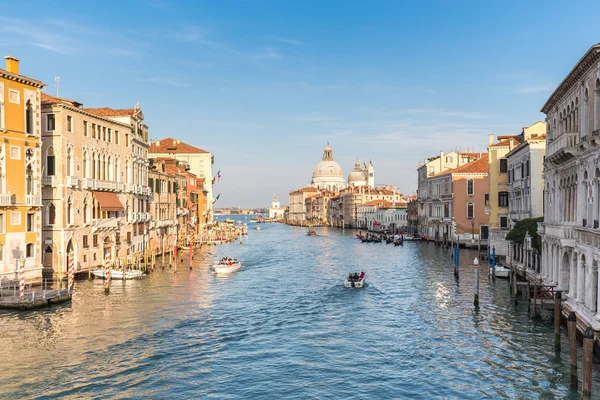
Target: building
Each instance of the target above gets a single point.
(297, 214)
(200, 162)
(276, 211)
(20, 172)
(328, 174)
(353, 196)
(525, 179)
(364, 176)
(95, 188)
(454, 205)
(382, 215)
(571, 232)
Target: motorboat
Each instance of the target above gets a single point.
(500, 271)
(258, 228)
(413, 238)
(312, 233)
(227, 267)
(355, 283)
(118, 273)
(399, 241)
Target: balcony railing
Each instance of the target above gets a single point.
(105, 223)
(49, 180)
(6, 199)
(72, 181)
(562, 148)
(32, 200)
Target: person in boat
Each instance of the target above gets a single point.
(350, 277)
(356, 276)
(361, 276)
(235, 260)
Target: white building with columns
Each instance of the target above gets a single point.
(571, 234)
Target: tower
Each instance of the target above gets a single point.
(371, 175)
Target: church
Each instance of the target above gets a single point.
(328, 174)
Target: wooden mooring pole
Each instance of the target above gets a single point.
(588, 355)
(476, 284)
(572, 324)
(557, 315)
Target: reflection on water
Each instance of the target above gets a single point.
(284, 326)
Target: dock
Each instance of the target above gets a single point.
(33, 299)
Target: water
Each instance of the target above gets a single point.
(285, 327)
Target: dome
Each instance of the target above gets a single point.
(328, 169)
(357, 177)
(328, 174)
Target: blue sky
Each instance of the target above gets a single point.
(265, 84)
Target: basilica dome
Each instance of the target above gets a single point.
(328, 174)
(358, 176)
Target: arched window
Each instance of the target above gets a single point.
(597, 105)
(85, 165)
(50, 162)
(470, 210)
(29, 118)
(109, 172)
(85, 211)
(29, 250)
(69, 161)
(70, 211)
(29, 179)
(93, 176)
(51, 214)
(470, 187)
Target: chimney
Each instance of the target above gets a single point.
(12, 64)
(490, 139)
(157, 143)
(178, 141)
(441, 154)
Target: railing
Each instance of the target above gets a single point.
(32, 200)
(49, 180)
(72, 181)
(87, 183)
(487, 210)
(596, 132)
(564, 141)
(105, 223)
(6, 199)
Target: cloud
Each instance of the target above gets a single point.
(268, 54)
(536, 88)
(192, 34)
(34, 35)
(287, 41)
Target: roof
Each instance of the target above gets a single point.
(379, 203)
(109, 112)
(47, 99)
(306, 189)
(21, 78)
(479, 166)
(502, 143)
(170, 145)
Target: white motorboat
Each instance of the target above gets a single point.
(118, 273)
(501, 271)
(227, 268)
(258, 228)
(355, 283)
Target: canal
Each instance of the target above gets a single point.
(285, 327)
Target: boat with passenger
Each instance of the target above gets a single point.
(118, 273)
(355, 280)
(312, 233)
(227, 265)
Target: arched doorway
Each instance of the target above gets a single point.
(107, 247)
(48, 264)
(565, 270)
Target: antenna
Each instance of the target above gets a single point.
(57, 80)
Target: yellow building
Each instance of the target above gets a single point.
(20, 171)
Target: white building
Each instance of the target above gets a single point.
(525, 180)
(297, 212)
(571, 235)
(364, 176)
(276, 211)
(380, 215)
(393, 218)
(200, 162)
(328, 174)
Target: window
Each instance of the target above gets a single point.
(128, 237)
(470, 210)
(15, 218)
(29, 118)
(50, 162)
(85, 128)
(103, 134)
(487, 199)
(127, 140)
(30, 222)
(51, 214)
(85, 241)
(108, 136)
(116, 137)
(29, 250)
(470, 187)
(503, 165)
(448, 159)
(528, 171)
(50, 122)
(69, 123)
(502, 199)
(95, 237)
(94, 131)
(15, 152)
(503, 222)
(2, 230)
(14, 96)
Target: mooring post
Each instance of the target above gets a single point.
(557, 312)
(488, 255)
(476, 284)
(493, 260)
(572, 323)
(588, 355)
(528, 298)
(535, 297)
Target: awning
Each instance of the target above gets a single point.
(108, 201)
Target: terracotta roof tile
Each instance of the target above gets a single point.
(47, 99)
(380, 203)
(504, 143)
(109, 112)
(478, 166)
(170, 145)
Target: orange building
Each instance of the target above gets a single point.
(20, 171)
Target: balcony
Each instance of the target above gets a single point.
(87, 183)
(33, 201)
(6, 200)
(566, 234)
(49, 180)
(163, 198)
(562, 149)
(105, 224)
(72, 181)
(97, 184)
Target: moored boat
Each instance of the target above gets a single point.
(118, 274)
(500, 271)
(312, 233)
(258, 228)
